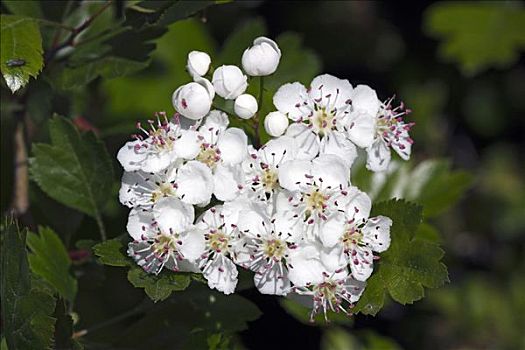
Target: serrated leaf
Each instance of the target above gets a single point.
(49, 260)
(21, 50)
(75, 169)
(29, 8)
(26, 309)
(408, 266)
(158, 287)
(466, 28)
(112, 252)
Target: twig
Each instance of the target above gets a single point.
(20, 203)
(70, 41)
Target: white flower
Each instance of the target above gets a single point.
(158, 246)
(245, 106)
(391, 131)
(221, 236)
(261, 168)
(275, 124)
(194, 99)
(192, 183)
(229, 82)
(262, 58)
(337, 293)
(329, 111)
(154, 152)
(268, 240)
(222, 149)
(318, 190)
(198, 63)
(351, 236)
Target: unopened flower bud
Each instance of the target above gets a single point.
(198, 63)
(245, 106)
(275, 124)
(229, 82)
(262, 58)
(194, 100)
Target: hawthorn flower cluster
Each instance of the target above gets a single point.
(286, 210)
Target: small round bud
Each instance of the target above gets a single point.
(275, 124)
(198, 63)
(229, 82)
(245, 106)
(194, 100)
(262, 58)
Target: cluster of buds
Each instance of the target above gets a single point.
(286, 211)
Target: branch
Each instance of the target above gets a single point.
(70, 41)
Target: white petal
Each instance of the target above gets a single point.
(287, 97)
(362, 263)
(193, 244)
(271, 282)
(305, 265)
(195, 183)
(277, 151)
(337, 144)
(332, 230)
(332, 170)
(131, 157)
(217, 120)
(226, 181)
(360, 128)
(172, 215)
(188, 145)
(378, 156)
(292, 173)
(140, 223)
(403, 146)
(334, 259)
(287, 226)
(333, 92)
(358, 205)
(222, 275)
(128, 195)
(233, 144)
(253, 222)
(364, 99)
(306, 142)
(376, 233)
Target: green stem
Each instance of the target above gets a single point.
(256, 117)
(101, 227)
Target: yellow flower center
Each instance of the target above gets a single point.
(315, 201)
(322, 121)
(164, 243)
(164, 190)
(270, 179)
(208, 156)
(218, 241)
(274, 248)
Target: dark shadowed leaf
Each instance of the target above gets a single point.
(75, 169)
(50, 261)
(26, 309)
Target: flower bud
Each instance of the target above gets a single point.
(198, 63)
(275, 124)
(193, 100)
(229, 82)
(262, 58)
(245, 106)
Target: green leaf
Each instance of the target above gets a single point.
(21, 50)
(26, 309)
(49, 260)
(466, 28)
(28, 8)
(106, 67)
(158, 287)
(112, 252)
(162, 13)
(408, 266)
(75, 169)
